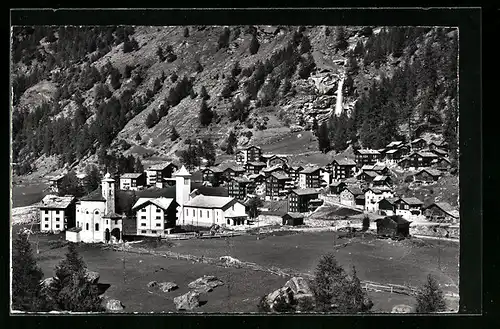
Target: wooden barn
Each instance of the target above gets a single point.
(393, 226)
(293, 219)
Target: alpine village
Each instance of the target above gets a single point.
(218, 169)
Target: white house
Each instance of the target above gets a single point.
(155, 216)
(132, 181)
(409, 208)
(205, 210)
(373, 195)
(96, 220)
(56, 213)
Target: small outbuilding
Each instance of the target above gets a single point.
(393, 226)
(293, 219)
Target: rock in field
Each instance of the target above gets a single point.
(114, 305)
(92, 277)
(402, 309)
(152, 284)
(188, 301)
(167, 286)
(298, 285)
(205, 283)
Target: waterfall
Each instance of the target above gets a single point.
(338, 106)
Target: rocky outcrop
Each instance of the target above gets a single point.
(402, 309)
(188, 301)
(152, 284)
(92, 276)
(167, 286)
(113, 305)
(296, 294)
(205, 284)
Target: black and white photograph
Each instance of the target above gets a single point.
(210, 169)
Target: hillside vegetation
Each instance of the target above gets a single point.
(79, 93)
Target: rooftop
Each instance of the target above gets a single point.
(241, 179)
(213, 169)
(280, 176)
(131, 175)
(380, 178)
(276, 167)
(95, 195)
(305, 191)
(256, 164)
(160, 166)
(368, 151)
(54, 201)
(345, 162)
(204, 201)
(370, 173)
(412, 201)
(394, 144)
(398, 219)
(390, 200)
(354, 190)
(432, 172)
(447, 208)
(294, 215)
(161, 202)
(182, 172)
(337, 183)
(310, 170)
(379, 190)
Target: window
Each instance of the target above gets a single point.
(193, 212)
(96, 212)
(57, 226)
(208, 214)
(143, 209)
(158, 210)
(143, 224)
(158, 224)
(228, 222)
(143, 231)
(87, 212)
(107, 222)
(158, 217)
(57, 212)
(57, 219)
(46, 211)
(186, 181)
(46, 219)
(97, 226)
(46, 225)
(77, 224)
(143, 217)
(201, 214)
(153, 231)
(87, 226)
(187, 212)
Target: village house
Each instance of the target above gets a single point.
(254, 167)
(132, 181)
(325, 177)
(342, 168)
(239, 187)
(393, 156)
(418, 144)
(156, 174)
(206, 211)
(276, 160)
(275, 186)
(418, 160)
(349, 197)
(336, 187)
(275, 169)
(428, 175)
(367, 176)
(55, 183)
(374, 195)
(442, 212)
(294, 172)
(57, 213)
(394, 145)
(249, 154)
(155, 216)
(310, 177)
(257, 179)
(442, 164)
(387, 207)
(366, 157)
(438, 145)
(232, 171)
(298, 200)
(409, 208)
(96, 219)
(381, 180)
(439, 152)
(293, 219)
(212, 175)
(393, 226)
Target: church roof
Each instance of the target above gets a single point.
(95, 195)
(182, 172)
(161, 202)
(205, 201)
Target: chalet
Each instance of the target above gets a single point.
(348, 197)
(393, 156)
(57, 213)
(394, 145)
(439, 152)
(254, 167)
(155, 216)
(336, 187)
(381, 180)
(275, 186)
(379, 169)
(249, 154)
(212, 175)
(206, 211)
(310, 178)
(294, 172)
(156, 173)
(232, 171)
(360, 201)
(132, 181)
(55, 183)
(418, 160)
(387, 207)
(393, 226)
(367, 176)
(418, 144)
(366, 156)
(442, 212)
(293, 219)
(374, 195)
(428, 175)
(438, 145)
(257, 179)
(239, 187)
(343, 168)
(408, 207)
(298, 200)
(275, 169)
(441, 163)
(276, 160)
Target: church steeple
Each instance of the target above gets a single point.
(182, 190)
(108, 193)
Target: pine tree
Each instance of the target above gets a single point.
(231, 143)
(340, 39)
(207, 150)
(323, 138)
(197, 67)
(253, 206)
(236, 69)
(430, 298)
(359, 50)
(174, 134)
(352, 64)
(186, 32)
(152, 119)
(138, 167)
(254, 46)
(70, 185)
(203, 93)
(305, 45)
(160, 54)
(205, 114)
(26, 277)
(223, 41)
(329, 278)
(92, 178)
(138, 137)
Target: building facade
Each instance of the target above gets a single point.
(155, 215)
(254, 167)
(366, 157)
(298, 200)
(239, 187)
(373, 196)
(250, 154)
(206, 211)
(57, 213)
(275, 186)
(157, 173)
(442, 212)
(132, 181)
(343, 168)
(348, 196)
(310, 178)
(408, 208)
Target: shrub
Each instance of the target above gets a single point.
(138, 137)
(223, 41)
(174, 135)
(230, 86)
(203, 93)
(186, 32)
(128, 71)
(236, 69)
(249, 125)
(254, 46)
(197, 67)
(171, 57)
(174, 77)
(430, 298)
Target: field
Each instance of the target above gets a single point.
(27, 194)
(381, 261)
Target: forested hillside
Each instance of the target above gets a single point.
(82, 94)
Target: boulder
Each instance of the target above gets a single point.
(298, 285)
(47, 283)
(283, 292)
(92, 277)
(114, 305)
(188, 301)
(205, 283)
(228, 260)
(152, 284)
(167, 286)
(402, 309)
